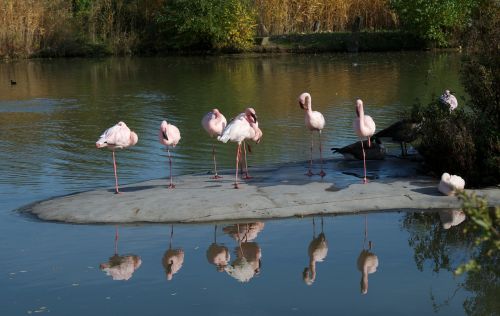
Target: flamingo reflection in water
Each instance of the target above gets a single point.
(367, 261)
(450, 218)
(248, 261)
(218, 254)
(173, 258)
(318, 250)
(121, 267)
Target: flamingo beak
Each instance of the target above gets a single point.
(301, 104)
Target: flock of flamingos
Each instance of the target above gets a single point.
(242, 128)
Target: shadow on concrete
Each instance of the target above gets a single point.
(135, 189)
(432, 191)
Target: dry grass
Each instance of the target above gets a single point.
(297, 16)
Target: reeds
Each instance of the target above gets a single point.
(304, 16)
(64, 27)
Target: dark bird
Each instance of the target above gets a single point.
(355, 151)
(403, 132)
(12, 82)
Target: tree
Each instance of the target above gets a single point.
(207, 24)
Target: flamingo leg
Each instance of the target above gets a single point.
(237, 162)
(171, 185)
(216, 176)
(116, 176)
(364, 163)
(247, 176)
(321, 173)
(309, 173)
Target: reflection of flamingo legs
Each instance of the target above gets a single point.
(116, 240)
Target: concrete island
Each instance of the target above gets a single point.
(274, 192)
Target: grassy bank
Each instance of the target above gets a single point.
(344, 42)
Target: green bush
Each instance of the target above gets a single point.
(207, 24)
(434, 20)
(467, 141)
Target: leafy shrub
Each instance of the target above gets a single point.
(206, 24)
(433, 20)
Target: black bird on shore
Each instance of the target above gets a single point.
(402, 132)
(355, 151)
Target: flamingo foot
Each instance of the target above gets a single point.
(322, 173)
(309, 173)
(216, 176)
(117, 192)
(236, 186)
(247, 177)
(171, 186)
(365, 180)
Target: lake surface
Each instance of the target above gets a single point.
(50, 120)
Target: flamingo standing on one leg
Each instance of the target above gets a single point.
(117, 137)
(257, 136)
(238, 130)
(314, 122)
(169, 135)
(364, 126)
(214, 123)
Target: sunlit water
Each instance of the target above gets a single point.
(50, 120)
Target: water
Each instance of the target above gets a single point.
(50, 120)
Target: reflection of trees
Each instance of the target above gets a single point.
(444, 249)
(431, 242)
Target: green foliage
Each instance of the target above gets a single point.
(467, 141)
(433, 20)
(485, 223)
(207, 24)
(448, 141)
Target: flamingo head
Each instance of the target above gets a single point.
(216, 111)
(251, 115)
(133, 138)
(359, 107)
(304, 101)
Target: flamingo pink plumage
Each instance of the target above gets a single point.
(169, 135)
(314, 122)
(364, 126)
(214, 123)
(240, 128)
(117, 137)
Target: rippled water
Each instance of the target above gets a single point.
(50, 120)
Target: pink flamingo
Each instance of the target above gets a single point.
(117, 137)
(314, 122)
(364, 126)
(169, 135)
(214, 123)
(240, 128)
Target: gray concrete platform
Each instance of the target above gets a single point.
(274, 192)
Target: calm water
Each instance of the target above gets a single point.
(50, 120)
